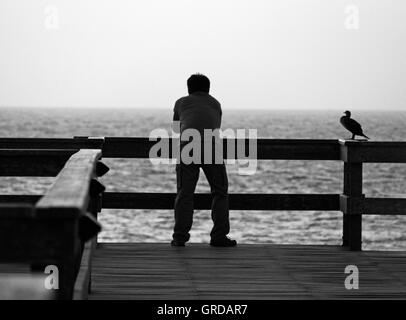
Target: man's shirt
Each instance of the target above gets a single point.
(199, 111)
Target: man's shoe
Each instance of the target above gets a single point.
(225, 242)
(177, 243)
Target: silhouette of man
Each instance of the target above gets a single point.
(200, 111)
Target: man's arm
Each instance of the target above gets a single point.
(176, 123)
(175, 115)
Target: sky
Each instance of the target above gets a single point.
(284, 54)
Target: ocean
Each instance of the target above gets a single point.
(279, 176)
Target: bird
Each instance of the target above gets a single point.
(351, 125)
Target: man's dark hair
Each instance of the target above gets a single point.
(198, 82)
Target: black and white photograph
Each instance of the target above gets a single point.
(203, 158)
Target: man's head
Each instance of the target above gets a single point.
(198, 82)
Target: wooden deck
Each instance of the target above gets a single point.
(198, 271)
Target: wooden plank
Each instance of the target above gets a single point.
(198, 271)
(294, 149)
(69, 194)
(383, 206)
(33, 162)
(16, 211)
(370, 206)
(251, 201)
(373, 152)
(83, 279)
(52, 143)
(19, 198)
(298, 149)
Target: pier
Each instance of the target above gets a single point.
(60, 228)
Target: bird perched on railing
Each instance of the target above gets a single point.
(351, 125)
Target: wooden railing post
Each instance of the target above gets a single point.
(351, 205)
(69, 263)
(56, 243)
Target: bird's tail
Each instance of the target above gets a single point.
(366, 136)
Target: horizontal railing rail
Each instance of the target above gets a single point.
(268, 149)
(33, 162)
(53, 228)
(52, 143)
(238, 201)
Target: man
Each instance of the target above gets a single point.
(200, 111)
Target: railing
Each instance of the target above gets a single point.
(56, 228)
(352, 202)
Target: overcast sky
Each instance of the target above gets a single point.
(258, 54)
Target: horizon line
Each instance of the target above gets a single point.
(228, 109)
